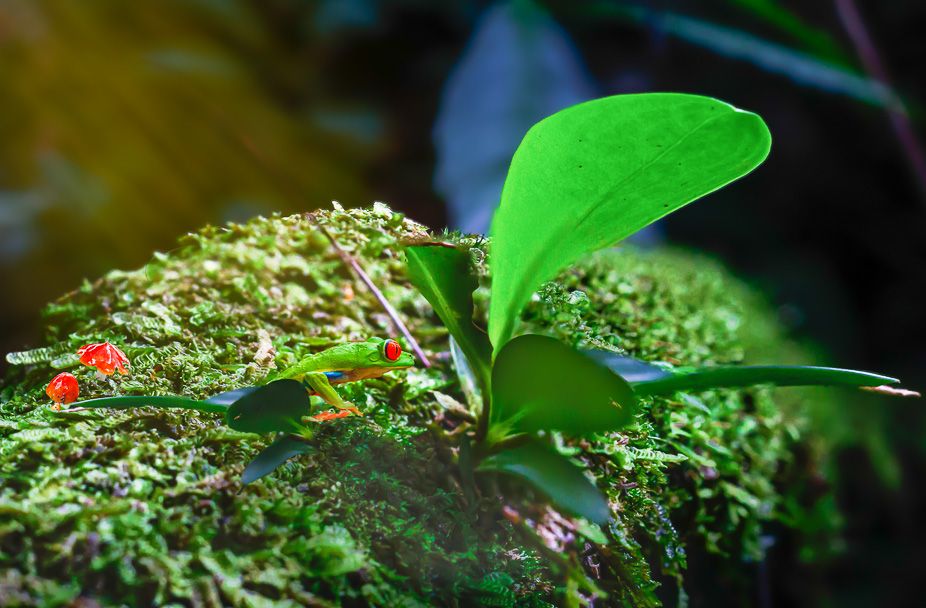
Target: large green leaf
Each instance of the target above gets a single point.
(443, 276)
(552, 474)
(277, 407)
(593, 174)
(274, 455)
(539, 383)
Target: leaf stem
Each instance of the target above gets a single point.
(161, 402)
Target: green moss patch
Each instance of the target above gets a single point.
(145, 507)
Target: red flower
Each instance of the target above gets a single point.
(326, 416)
(63, 389)
(105, 357)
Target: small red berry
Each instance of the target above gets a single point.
(63, 389)
(105, 357)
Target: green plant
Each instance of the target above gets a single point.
(582, 180)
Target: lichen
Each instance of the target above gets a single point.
(145, 507)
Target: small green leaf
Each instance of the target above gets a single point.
(274, 455)
(443, 276)
(539, 383)
(161, 402)
(554, 475)
(277, 407)
(706, 378)
(595, 173)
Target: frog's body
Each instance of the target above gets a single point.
(346, 363)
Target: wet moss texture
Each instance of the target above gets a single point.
(144, 507)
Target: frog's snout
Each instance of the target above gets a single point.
(405, 360)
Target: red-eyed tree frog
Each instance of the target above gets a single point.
(346, 363)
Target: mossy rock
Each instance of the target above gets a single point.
(145, 507)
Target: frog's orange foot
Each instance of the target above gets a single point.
(353, 410)
(326, 416)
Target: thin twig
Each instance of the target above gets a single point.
(366, 280)
(871, 60)
(892, 391)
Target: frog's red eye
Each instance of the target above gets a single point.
(392, 350)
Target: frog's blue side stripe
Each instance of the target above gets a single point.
(334, 375)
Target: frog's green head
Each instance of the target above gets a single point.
(385, 353)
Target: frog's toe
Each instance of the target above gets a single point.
(326, 416)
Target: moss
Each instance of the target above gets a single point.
(144, 507)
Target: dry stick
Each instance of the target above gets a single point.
(349, 260)
(896, 112)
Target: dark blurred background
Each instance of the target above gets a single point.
(124, 125)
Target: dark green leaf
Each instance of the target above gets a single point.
(162, 402)
(274, 455)
(443, 276)
(277, 407)
(593, 174)
(705, 378)
(539, 383)
(554, 475)
(630, 369)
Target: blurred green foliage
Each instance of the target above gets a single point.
(125, 124)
